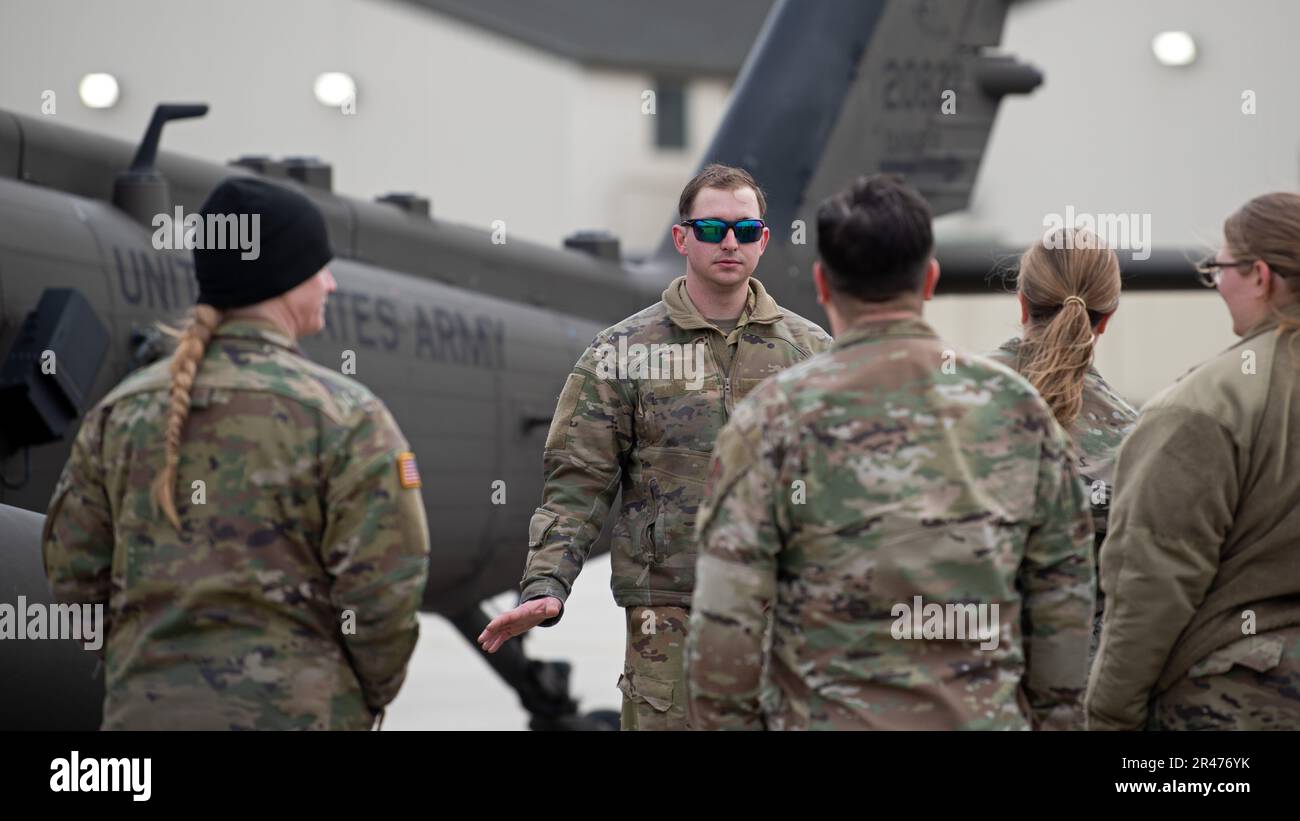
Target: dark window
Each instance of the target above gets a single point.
(670, 113)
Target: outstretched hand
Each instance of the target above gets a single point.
(518, 621)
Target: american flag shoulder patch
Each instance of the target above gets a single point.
(407, 473)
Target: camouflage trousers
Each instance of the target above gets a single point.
(1252, 684)
(654, 669)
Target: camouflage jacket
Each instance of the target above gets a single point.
(1097, 433)
(640, 412)
(288, 598)
(858, 495)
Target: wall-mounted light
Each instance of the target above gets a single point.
(1174, 48)
(98, 90)
(334, 88)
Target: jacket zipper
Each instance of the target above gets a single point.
(726, 379)
(651, 557)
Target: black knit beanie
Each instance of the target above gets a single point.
(291, 243)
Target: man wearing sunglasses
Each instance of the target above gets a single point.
(937, 570)
(649, 432)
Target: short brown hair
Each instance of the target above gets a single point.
(716, 175)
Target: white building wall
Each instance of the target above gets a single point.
(493, 129)
(1112, 131)
(476, 121)
(621, 180)
(488, 127)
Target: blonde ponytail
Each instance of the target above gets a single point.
(193, 341)
(1069, 284)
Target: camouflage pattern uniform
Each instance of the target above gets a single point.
(241, 620)
(1103, 422)
(848, 486)
(1252, 684)
(650, 435)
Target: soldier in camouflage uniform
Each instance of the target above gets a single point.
(640, 412)
(862, 492)
(1104, 419)
(1200, 568)
(1068, 287)
(282, 592)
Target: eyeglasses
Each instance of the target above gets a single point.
(1210, 271)
(709, 229)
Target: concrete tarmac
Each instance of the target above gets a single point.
(450, 687)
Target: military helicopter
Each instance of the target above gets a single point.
(466, 340)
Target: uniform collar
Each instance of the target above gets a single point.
(870, 330)
(256, 330)
(1011, 347)
(759, 307)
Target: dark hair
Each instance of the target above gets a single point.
(874, 238)
(716, 175)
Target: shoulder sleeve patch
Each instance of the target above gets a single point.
(407, 473)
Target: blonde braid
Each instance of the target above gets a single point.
(185, 361)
